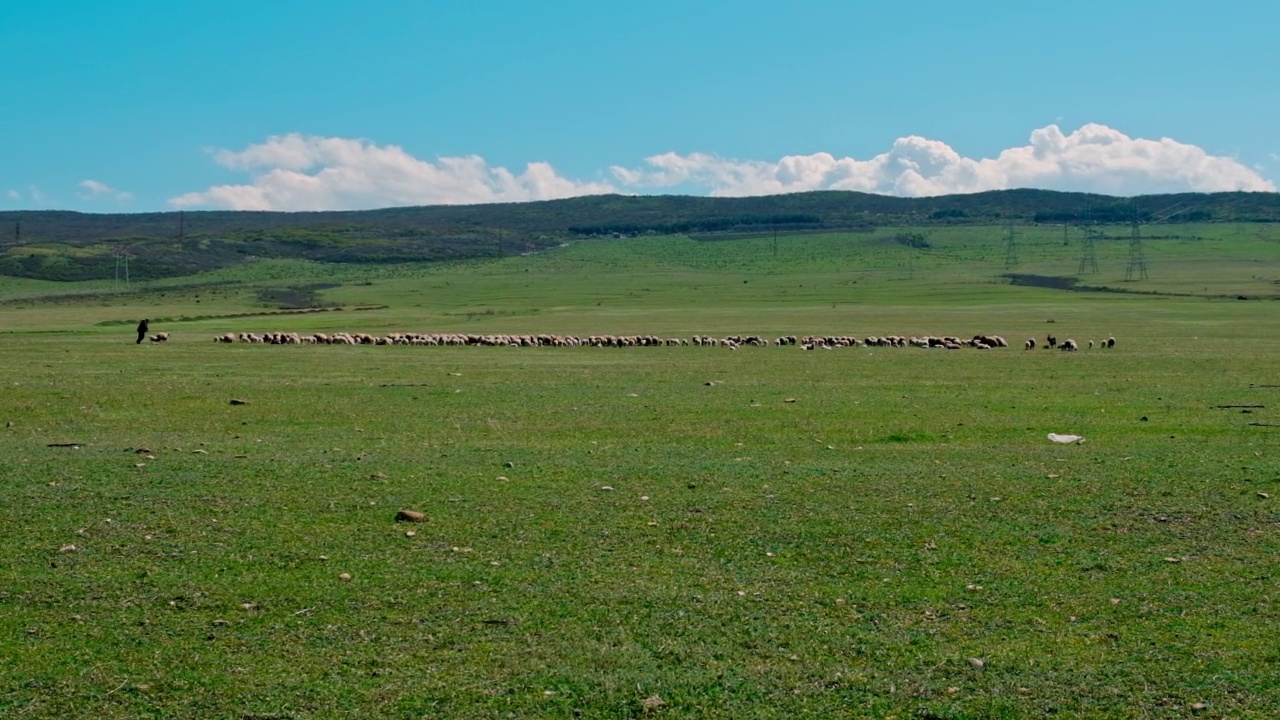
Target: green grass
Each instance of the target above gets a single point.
(842, 555)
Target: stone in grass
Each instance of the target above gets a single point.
(238, 401)
(410, 516)
(977, 663)
(344, 576)
(653, 702)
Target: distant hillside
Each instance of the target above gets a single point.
(61, 245)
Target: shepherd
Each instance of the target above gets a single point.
(142, 331)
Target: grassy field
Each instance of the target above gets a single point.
(652, 532)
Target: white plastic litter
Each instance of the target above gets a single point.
(1066, 439)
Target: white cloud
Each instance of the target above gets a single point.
(14, 194)
(302, 172)
(94, 189)
(1094, 158)
(299, 172)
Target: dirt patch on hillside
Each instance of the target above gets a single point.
(1059, 282)
(297, 297)
(1046, 281)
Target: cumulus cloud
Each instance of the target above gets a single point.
(1094, 158)
(95, 190)
(14, 194)
(301, 172)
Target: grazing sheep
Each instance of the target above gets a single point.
(1111, 342)
(1069, 345)
(732, 342)
(1090, 344)
(160, 337)
(1053, 341)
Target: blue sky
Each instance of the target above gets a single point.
(142, 106)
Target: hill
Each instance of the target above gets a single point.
(60, 245)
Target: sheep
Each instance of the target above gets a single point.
(1111, 342)
(733, 342)
(1053, 342)
(160, 337)
(1069, 345)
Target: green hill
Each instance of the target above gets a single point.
(60, 245)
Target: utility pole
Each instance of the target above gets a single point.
(182, 224)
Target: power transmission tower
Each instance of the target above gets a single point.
(1137, 267)
(1088, 247)
(122, 258)
(1010, 246)
(1088, 254)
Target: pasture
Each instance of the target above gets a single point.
(652, 532)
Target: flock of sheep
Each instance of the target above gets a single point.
(810, 342)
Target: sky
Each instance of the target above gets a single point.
(133, 106)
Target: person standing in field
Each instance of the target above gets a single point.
(142, 331)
